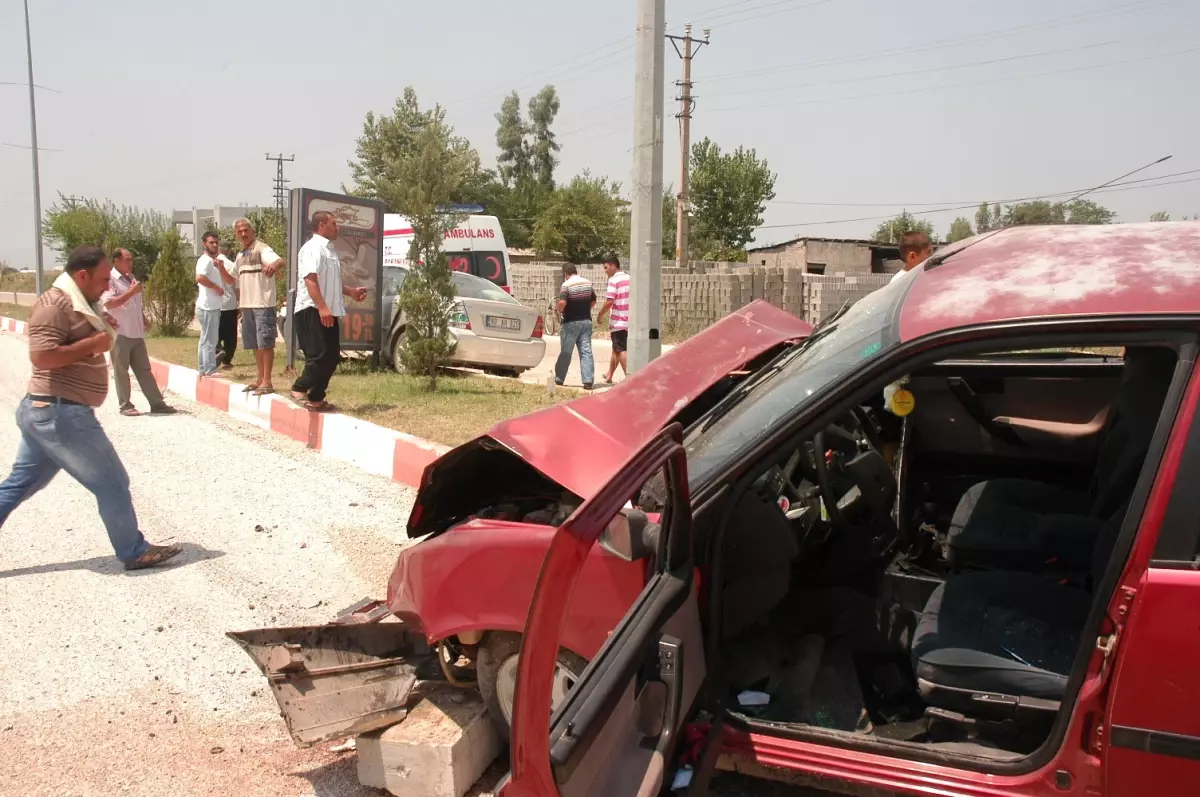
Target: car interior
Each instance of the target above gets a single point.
(921, 571)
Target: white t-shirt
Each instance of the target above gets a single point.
(317, 256)
(206, 297)
(897, 276)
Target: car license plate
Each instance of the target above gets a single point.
(500, 322)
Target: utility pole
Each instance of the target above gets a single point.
(645, 238)
(281, 191)
(687, 104)
(38, 273)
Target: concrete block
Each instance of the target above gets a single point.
(440, 749)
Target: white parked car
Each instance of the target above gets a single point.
(494, 331)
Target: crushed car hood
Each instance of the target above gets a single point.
(580, 444)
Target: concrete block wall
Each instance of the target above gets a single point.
(696, 296)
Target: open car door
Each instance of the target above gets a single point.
(616, 732)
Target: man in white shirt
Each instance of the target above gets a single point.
(915, 249)
(319, 305)
(227, 335)
(123, 300)
(256, 268)
(213, 281)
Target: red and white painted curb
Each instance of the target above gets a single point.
(385, 452)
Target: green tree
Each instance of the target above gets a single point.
(1160, 215)
(583, 220)
(429, 175)
(960, 228)
(515, 159)
(110, 226)
(987, 218)
(889, 232)
(543, 149)
(171, 289)
(670, 222)
(729, 192)
(391, 140)
(1085, 211)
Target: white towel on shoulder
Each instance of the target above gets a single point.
(93, 312)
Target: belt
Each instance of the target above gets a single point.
(55, 400)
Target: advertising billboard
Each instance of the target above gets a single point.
(360, 249)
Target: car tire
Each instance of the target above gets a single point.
(496, 668)
(397, 345)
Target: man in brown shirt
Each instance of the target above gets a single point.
(59, 430)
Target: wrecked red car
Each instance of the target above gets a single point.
(483, 519)
(948, 544)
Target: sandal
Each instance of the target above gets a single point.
(130, 412)
(155, 555)
(249, 388)
(262, 391)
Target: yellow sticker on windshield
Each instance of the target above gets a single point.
(903, 402)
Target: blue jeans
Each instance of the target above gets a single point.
(574, 334)
(68, 437)
(210, 330)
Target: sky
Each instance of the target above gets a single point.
(862, 107)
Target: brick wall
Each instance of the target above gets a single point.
(695, 297)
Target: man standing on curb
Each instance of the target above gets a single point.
(616, 302)
(319, 306)
(574, 305)
(68, 335)
(212, 281)
(123, 299)
(227, 335)
(256, 267)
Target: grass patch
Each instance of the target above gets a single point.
(17, 311)
(463, 407)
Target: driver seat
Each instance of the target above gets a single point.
(1020, 524)
(1001, 644)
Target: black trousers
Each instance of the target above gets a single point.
(227, 337)
(322, 350)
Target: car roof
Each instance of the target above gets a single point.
(1023, 273)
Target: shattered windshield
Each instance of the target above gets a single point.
(866, 330)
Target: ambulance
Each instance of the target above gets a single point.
(475, 246)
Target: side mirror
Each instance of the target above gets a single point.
(630, 535)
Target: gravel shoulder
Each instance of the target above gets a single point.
(119, 683)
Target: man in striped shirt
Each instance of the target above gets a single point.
(617, 303)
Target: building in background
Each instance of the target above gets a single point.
(848, 256)
(192, 223)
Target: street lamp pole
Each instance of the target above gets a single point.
(39, 277)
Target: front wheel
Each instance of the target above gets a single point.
(397, 347)
(496, 667)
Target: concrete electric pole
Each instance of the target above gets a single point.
(38, 273)
(645, 239)
(687, 103)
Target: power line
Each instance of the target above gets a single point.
(961, 201)
(1113, 189)
(937, 44)
(24, 83)
(972, 83)
(911, 72)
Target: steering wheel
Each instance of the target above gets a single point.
(868, 471)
